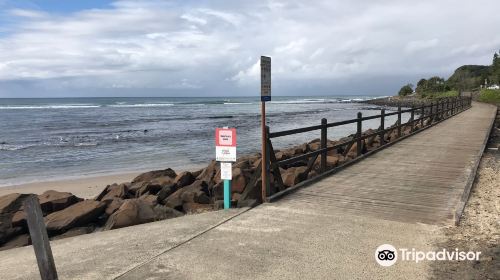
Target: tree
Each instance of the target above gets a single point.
(421, 86)
(405, 90)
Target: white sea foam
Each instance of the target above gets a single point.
(66, 106)
(140, 105)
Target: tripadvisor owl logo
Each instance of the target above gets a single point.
(386, 255)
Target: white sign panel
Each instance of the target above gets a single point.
(226, 171)
(265, 78)
(225, 153)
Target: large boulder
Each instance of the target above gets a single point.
(294, 175)
(194, 208)
(150, 199)
(11, 203)
(149, 176)
(163, 212)
(208, 174)
(75, 232)
(52, 201)
(141, 188)
(166, 191)
(196, 192)
(240, 180)
(79, 214)
(18, 241)
(113, 205)
(132, 212)
(114, 191)
(183, 179)
(331, 161)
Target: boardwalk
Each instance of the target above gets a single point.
(401, 196)
(421, 179)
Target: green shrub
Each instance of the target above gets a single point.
(490, 96)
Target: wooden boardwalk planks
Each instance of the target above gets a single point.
(420, 179)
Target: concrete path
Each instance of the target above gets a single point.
(329, 230)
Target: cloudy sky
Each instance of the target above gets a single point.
(212, 48)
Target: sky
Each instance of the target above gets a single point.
(94, 48)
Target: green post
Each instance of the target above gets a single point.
(227, 194)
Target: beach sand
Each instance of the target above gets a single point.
(84, 187)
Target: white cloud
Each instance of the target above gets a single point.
(191, 45)
(415, 46)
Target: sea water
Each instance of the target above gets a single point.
(55, 138)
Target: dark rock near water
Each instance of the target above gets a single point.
(196, 192)
(294, 175)
(113, 205)
(165, 192)
(52, 201)
(18, 241)
(183, 179)
(163, 212)
(149, 176)
(114, 191)
(11, 203)
(75, 232)
(194, 208)
(131, 212)
(76, 215)
(248, 203)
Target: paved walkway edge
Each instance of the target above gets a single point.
(472, 176)
(180, 244)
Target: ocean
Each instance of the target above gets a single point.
(58, 138)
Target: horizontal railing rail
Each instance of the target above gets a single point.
(357, 144)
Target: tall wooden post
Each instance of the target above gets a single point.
(412, 119)
(422, 116)
(265, 95)
(264, 151)
(358, 134)
(40, 239)
(382, 127)
(399, 121)
(323, 144)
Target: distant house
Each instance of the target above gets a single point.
(494, 87)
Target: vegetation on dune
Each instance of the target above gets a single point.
(465, 78)
(490, 96)
(406, 90)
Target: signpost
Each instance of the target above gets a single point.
(225, 152)
(265, 95)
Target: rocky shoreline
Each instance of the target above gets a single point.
(164, 194)
(396, 101)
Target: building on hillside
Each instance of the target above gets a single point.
(494, 87)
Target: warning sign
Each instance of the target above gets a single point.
(225, 144)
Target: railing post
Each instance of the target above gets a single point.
(431, 114)
(358, 134)
(452, 106)
(399, 121)
(323, 144)
(266, 163)
(412, 117)
(422, 116)
(440, 109)
(40, 239)
(382, 127)
(448, 107)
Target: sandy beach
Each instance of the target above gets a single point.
(84, 187)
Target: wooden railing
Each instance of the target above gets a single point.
(428, 115)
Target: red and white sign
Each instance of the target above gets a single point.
(225, 144)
